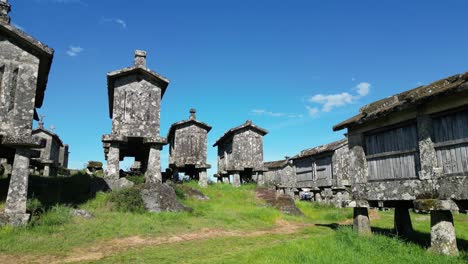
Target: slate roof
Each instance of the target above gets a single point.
(232, 131)
(150, 75)
(276, 164)
(38, 49)
(321, 149)
(405, 100)
(174, 126)
(48, 132)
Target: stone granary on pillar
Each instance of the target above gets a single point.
(188, 149)
(52, 156)
(240, 154)
(24, 69)
(410, 150)
(135, 95)
(279, 173)
(323, 172)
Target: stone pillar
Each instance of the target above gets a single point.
(175, 175)
(361, 223)
(402, 222)
(357, 166)
(203, 179)
(443, 239)
(153, 173)
(46, 172)
(113, 160)
(236, 180)
(15, 209)
(260, 179)
(427, 152)
(225, 179)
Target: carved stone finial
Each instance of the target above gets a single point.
(193, 114)
(140, 58)
(41, 122)
(5, 8)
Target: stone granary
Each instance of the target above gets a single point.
(240, 153)
(410, 150)
(52, 156)
(187, 153)
(323, 171)
(279, 173)
(24, 69)
(135, 95)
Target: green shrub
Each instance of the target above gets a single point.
(180, 193)
(127, 200)
(136, 179)
(35, 207)
(58, 215)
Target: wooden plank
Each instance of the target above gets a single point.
(389, 154)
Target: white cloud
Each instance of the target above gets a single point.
(313, 111)
(122, 23)
(330, 101)
(363, 88)
(262, 112)
(73, 51)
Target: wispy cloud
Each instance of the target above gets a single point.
(312, 111)
(81, 2)
(331, 101)
(262, 112)
(122, 23)
(74, 51)
(18, 26)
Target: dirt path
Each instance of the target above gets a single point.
(116, 246)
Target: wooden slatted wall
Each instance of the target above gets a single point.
(392, 154)
(451, 142)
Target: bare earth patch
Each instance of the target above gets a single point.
(116, 246)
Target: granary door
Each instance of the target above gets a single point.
(323, 170)
(450, 135)
(392, 153)
(304, 171)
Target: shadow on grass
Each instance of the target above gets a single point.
(53, 191)
(418, 238)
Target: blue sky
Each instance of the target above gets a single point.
(294, 67)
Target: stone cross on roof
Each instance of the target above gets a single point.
(193, 114)
(5, 8)
(41, 122)
(140, 58)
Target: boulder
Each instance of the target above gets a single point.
(159, 197)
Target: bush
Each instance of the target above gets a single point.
(136, 179)
(58, 215)
(127, 200)
(180, 193)
(35, 207)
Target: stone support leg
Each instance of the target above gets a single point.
(203, 179)
(113, 160)
(153, 173)
(46, 172)
(402, 222)
(225, 179)
(175, 175)
(361, 222)
(15, 210)
(260, 179)
(236, 180)
(443, 239)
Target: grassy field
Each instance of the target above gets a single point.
(232, 227)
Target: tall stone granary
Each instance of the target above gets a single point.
(24, 69)
(135, 95)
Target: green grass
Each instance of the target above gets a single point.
(56, 233)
